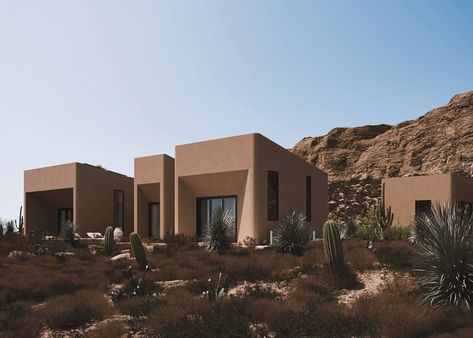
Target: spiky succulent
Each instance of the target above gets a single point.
(445, 268)
(291, 235)
(220, 233)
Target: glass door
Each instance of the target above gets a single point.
(64, 217)
(154, 216)
(207, 205)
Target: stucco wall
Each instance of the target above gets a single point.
(292, 186)
(154, 182)
(215, 168)
(402, 192)
(42, 196)
(90, 189)
(462, 188)
(238, 166)
(94, 199)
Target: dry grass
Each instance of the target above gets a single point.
(72, 290)
(69, 311)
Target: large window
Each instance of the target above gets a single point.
(207, 205)
(308, 198)
(423, 208)
(118, 208)
(273, 195)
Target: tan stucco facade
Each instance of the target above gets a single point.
(402, 193)
(238, 166)
(86, 190)
(154, 183)
(233, 171)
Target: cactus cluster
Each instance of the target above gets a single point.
(138, 250)
(109, 241)
(333, 247)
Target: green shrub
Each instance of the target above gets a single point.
(220, 233)
(291, 235)
(445, 270)
(397, 233)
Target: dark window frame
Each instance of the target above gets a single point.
(198, 225)
(420, 205)
(272, 212)
(308, 198)
(115, 209)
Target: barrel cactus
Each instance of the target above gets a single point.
(333, 247)
(109, 241)
(138, 250)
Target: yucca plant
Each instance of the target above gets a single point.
(291, 235)
(445, 267)
(220, 233)
(68, 233)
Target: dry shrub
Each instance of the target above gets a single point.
(464, 332)
(33, 284)
(306, 288)
(358, 255)
(109, 330)
(401, 314)
(65, 312)
(178, 302)
(139, 305)
(396, 254)
(18, 320)
(225, 318)
(313, 319)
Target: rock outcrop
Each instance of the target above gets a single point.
(356, 159)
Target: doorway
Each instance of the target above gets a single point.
(154, 220)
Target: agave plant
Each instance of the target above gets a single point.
(291, 235)
(445, 271)
(220, 233)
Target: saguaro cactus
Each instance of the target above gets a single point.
(109, 241)
(384, 218)
(138, 250)
(333, 247)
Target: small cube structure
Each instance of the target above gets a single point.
(154, 196)
(90, 197)
(412, 196)
(253, 178)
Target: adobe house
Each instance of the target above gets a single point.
(89, 196)
(154, 196)
(255, 179)
(414, 195)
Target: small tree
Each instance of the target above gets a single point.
(220, 233)
(291, 235)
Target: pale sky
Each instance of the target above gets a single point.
(103, 82)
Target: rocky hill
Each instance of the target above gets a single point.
(356, 159)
